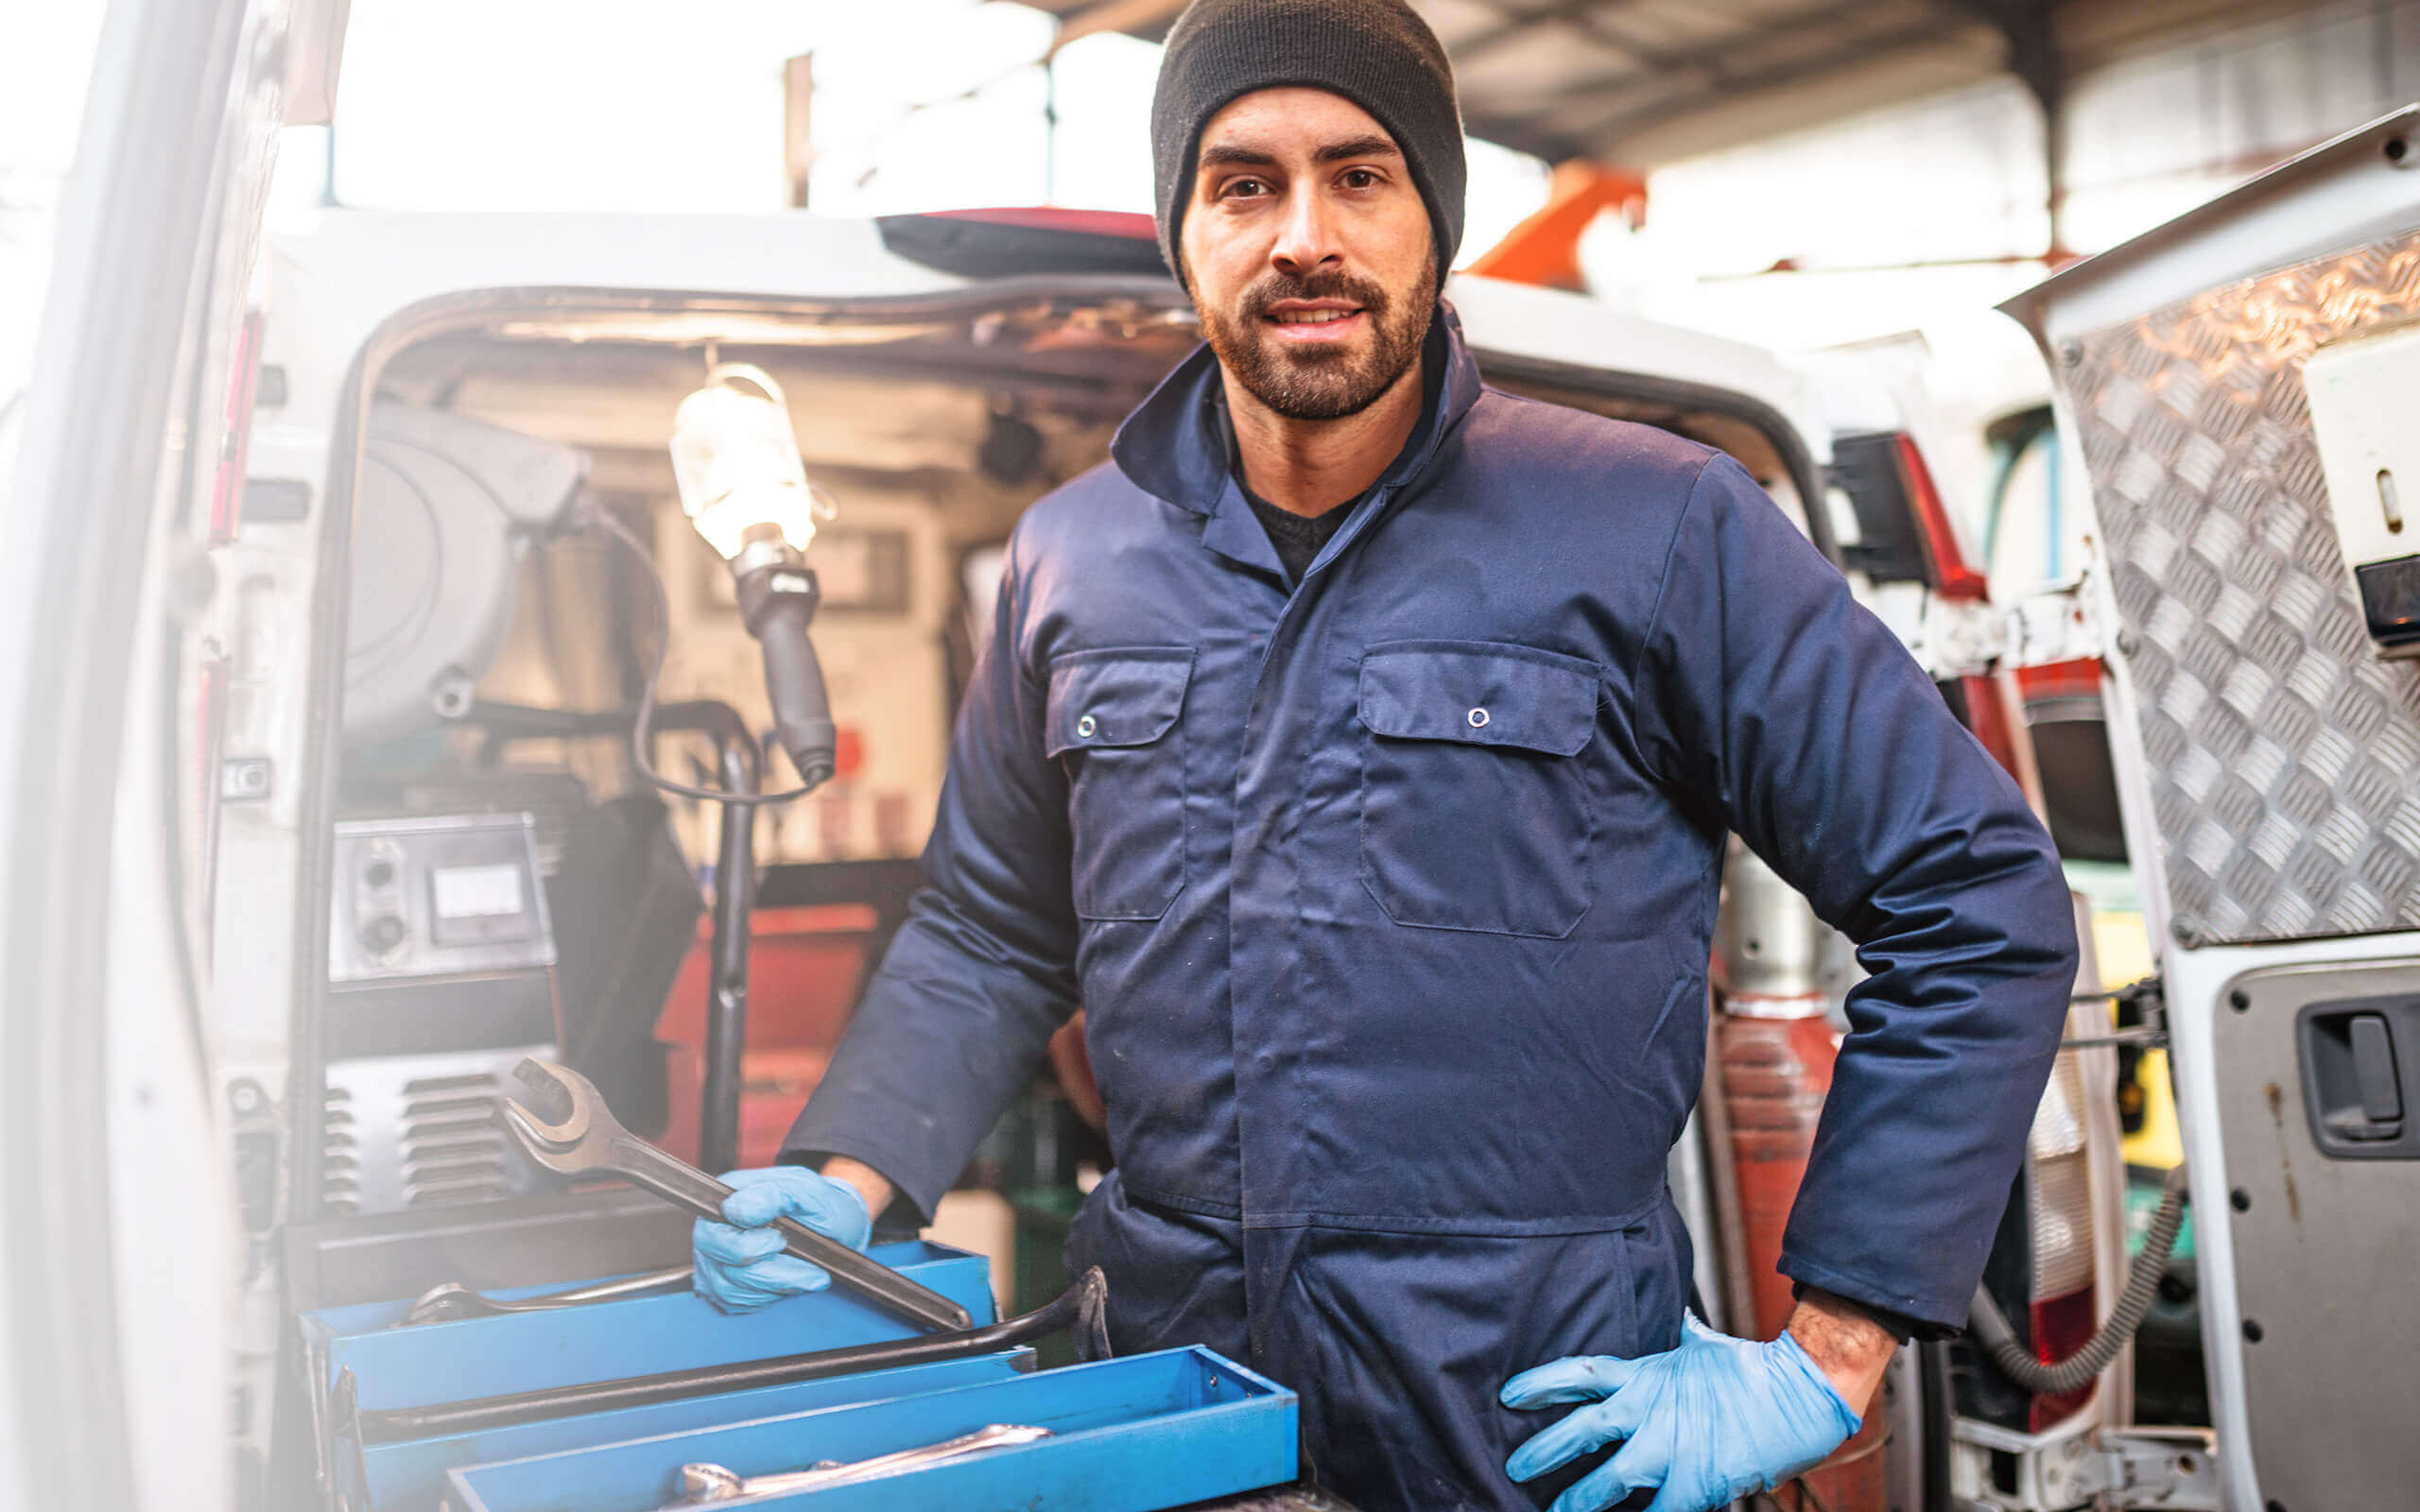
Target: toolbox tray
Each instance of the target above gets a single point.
(410, 1476)
(1136, 1435)
(606, 1341)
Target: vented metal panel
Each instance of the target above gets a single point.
(2282, 752)
(417, 1131)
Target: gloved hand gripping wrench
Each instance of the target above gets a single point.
(587, 1140)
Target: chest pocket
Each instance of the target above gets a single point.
(1476, 810)
(1112, 721)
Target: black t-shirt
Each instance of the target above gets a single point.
(1297, 537)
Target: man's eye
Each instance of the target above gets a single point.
(1361, 179)
(1244, 187)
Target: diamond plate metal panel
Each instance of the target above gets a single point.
(2285, 756)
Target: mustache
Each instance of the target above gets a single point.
(1329, 284)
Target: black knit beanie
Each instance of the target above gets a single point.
(1376, 53)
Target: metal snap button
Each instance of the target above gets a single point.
(1479, 719)
(1085, 727)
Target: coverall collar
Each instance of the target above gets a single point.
(1172, 447)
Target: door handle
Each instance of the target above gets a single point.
(2373, 1070)
(2357, 1058)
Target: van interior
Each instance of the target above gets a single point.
(498, 642)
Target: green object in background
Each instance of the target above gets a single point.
(2142, 1200)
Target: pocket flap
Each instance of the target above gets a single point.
(1124, 695)
(1482, 693)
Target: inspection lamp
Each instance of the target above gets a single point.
(735, 461)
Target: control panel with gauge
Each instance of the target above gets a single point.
(424, 897)
(440, 978)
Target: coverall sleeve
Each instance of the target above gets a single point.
(1765, 688)
(982, 972)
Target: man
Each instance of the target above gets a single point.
(1359, 748)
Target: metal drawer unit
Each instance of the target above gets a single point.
(1136, 1435)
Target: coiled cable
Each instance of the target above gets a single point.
(1991, 1328)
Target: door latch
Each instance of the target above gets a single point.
(2358, 1065)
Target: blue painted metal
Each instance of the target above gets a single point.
(1137, 1434)
(410, 1477)
(605, 1341)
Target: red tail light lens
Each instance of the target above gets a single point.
(1953, 577)
(2060, 1327)
(1987, 717)
(2061, 1311)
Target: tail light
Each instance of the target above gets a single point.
(1904, 530)
(2061, 1310)
(1952, 576)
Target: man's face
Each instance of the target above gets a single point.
(1307, 252)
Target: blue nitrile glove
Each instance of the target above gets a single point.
(741, 1264)
(1709, 1421)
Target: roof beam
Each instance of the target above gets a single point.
(2032, 45)
(1115, 15)
(1523, 134)
(1582, 14)
(1707, 62)
(2034, 57)
(1914, 34)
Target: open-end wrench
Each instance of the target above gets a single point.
(1083, 1307)
(703, 1482)
(586, 1139)
(452, 1301)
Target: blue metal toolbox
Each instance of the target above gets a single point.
(489, 1356)
(1136, 1435)
(604, 1341)
(410, 1476)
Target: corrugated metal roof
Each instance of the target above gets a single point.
(1645, 81)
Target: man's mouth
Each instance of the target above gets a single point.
(1321, 320)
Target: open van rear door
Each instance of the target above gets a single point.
(118, 1259)
(2240, 385)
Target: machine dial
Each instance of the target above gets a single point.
(383, 933)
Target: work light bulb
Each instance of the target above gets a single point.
(735, 461)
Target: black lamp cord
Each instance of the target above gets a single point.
(600, 520)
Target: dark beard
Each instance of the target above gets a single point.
(1321, 382)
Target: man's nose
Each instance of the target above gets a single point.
(1306, 239)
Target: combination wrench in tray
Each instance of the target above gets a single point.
(452, 1301)
(699, 1483)
(586, 1139)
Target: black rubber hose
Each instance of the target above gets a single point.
(1083, 1307)
(1991, 1328)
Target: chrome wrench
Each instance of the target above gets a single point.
(703, 1482)
(451, 1301)
(585, 1138)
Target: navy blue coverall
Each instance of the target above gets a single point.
(1389, 897)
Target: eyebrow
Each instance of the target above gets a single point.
(1371, 145)
(1360, 147)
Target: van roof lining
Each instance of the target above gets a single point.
(1090, 362)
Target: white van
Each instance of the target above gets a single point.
(293, 600)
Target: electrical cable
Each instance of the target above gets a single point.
(600, 520)
(1992, 1330)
